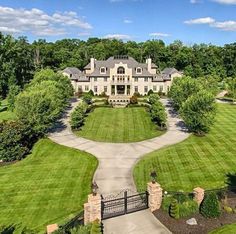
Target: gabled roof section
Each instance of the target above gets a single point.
(169, 71)
(72, 70)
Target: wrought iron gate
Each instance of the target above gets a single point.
(124, 203)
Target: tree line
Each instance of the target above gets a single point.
(19, 59)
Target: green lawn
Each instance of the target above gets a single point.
(119, 125)
(4, 113)
(227, 229)
(198, 161)
(49, 186)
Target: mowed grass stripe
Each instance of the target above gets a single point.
(119, 125)
(198, 161)
(49, 186)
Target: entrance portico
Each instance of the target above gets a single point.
(120, 90)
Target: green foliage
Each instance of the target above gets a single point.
(96, 228)
(7, 229)
(150, 92)
(158, 114)
(134, 99)
(78, 116)
(198, 112)
(228, 209)
(210, 207)
(16, 140)
(153, 98)
(87, 98)
(183, 88)
(232, 87)
(13, 92)
(91, 93)
(174, 209)
(210, 83)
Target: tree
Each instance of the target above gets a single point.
(153, 98)
(77, 117)
(11, 98)
(183, 88)
(87, 98)
(198, 112)
(210, 207)
(232, 87)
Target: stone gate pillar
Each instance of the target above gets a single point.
(155, 196)
(198, 195)
(92, 209)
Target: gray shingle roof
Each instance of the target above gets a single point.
(72, 70)
(169, 71)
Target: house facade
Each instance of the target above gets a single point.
(121, 75)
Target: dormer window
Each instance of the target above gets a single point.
(103, 70)
(139, 70)
(120, 70)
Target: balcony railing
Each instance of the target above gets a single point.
(121, 79)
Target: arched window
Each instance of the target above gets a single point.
(120, 70)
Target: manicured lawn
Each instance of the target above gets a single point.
(198, 161)
(49, 186)
(4, 113)
(227, 229)
(119, 125)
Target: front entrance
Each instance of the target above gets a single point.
(124, 203)
(120, 89)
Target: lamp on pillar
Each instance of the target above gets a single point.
(94, 188)
(153, 176)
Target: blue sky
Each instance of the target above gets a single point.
(192, 21)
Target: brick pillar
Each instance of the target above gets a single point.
(155, 196)
(52, 228)
(198, 195)
(92, 209)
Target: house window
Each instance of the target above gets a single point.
(146, 79)
(105, 89)
(70, 75)
(103, 70)
(145, 89)
(136, 89)
(86, 88)
(136, 79)
(139, 70)
(95, 89)
(154, 88)
(161, 88)
(95, 79)
(105, 79)
(128, 78)
(120, 70)
(80, 89)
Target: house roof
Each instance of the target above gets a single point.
(72, 70)
(169, 71)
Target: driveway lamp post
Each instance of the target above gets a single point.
(153, 176)
(94, 188)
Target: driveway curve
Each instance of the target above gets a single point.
(116, 160)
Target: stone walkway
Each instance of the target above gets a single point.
(116, 160)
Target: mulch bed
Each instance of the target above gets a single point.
(204, 225)
(7, 163)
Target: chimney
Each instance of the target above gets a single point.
(92, 62)
(149, 63)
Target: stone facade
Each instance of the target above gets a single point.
(155, 196)
(121, 76)
(92, 209)
(198, 195)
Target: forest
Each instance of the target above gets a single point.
(19, 59)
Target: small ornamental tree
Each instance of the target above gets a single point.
(210, 207)
(87, 98)
(174, 209)
(150, 92)
(153, 98)
(77, 118)
(158, 114)
(198, 112)
(96, 228)
(133, 100)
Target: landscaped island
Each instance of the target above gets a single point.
(198, 161)
(119, 125)
(49, 186)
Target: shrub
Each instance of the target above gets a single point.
(133, 100)
(103, 94)
(91, 93)
(16, 140)
(96, 228)
(187, 208)
(11, 98)
(150, 92)
(77, 118)
(137, 94)
(153, 98)
(210, 207)
(228, 209)
(87, 98)
(174, 209)
(7, 229)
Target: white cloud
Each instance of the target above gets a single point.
(127, 21)
(158, 34)
(118, 36)
(225, 25)
(206, 20)
(38, 22)
(227, 2)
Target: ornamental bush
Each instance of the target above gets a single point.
(210, 206)
(87, 98)
(153, 98)
(134, 99)
(96, 228)
(150, 92)
(174, 209)
(77, 118)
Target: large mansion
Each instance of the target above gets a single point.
(121, 75)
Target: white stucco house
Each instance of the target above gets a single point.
(121, 76)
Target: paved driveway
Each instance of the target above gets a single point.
(116, 161)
